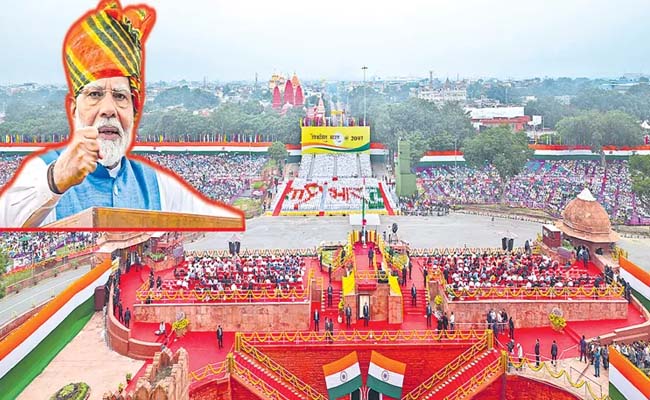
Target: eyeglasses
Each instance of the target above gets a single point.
(122, 98)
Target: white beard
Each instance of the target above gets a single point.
(111, 151)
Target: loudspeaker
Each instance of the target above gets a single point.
(231, 248)
(237, 246)
(511, 243)
(504, 243)
(394, 228)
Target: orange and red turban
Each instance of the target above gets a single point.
(108, 42)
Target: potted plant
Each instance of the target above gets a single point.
(120, 387)
(72, 391)
(128, 377)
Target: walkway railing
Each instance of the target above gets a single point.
(282, 372)
(609, 292)
(144, 294)
(371, 337)
(448, 369)
(467, 389)
(592, 390)
(217, 370)
(264, 388)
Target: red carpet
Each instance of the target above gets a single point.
(567, 346)
(596, 328)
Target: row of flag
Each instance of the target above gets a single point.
(385, 375)
(238, 138)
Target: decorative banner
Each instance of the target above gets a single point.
(342, 376)
(386, 375)
(335, 139)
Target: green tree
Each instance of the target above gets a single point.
(500, 147)
(550, 109)
(278, 152)
(4, 263)
(595, 129)
(640, 173)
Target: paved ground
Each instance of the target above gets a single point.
(85, 359)
(16, 304)
(453, 230)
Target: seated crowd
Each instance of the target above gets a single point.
(8, 165)
(237, 273)
(32, 247)
(473, 271)
(543, 184)
(222, 177)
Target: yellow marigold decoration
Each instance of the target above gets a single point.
(180, 326)
(437, 299)
(558, 322)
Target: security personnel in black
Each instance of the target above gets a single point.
(348, 316)
(414, 295)
(366, 314)
(330, 293)
(429, 312)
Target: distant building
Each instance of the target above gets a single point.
(446, 94)
(484, 118)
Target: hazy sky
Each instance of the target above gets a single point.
(331, 39)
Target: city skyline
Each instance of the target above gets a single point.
(228, 41)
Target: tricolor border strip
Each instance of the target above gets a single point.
(15, 347)
(625, 380)
(638, 278)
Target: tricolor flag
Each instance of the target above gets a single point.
(342, 376)
(385, 375)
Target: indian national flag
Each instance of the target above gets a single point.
(342, 376)
(385, 375)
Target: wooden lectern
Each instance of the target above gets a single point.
(132, 219)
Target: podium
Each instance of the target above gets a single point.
(132, 219)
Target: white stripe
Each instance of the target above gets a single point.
(19, 149)
(627, 389)
(191, 149)
(394, 378)
(334, 380)
(452, 158)
(636, 284)
(23, 349)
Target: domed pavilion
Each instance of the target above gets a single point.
(585, 222)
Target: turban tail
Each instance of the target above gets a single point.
(108, 42)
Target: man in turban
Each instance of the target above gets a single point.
(103, 56)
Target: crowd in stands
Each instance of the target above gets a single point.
(237, 273)
(335, 165)
(222, 177)
(8, 165)
(472, 270)
(544, 184)
(638, 352)
(26, 248)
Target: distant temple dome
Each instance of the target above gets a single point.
(586, 219)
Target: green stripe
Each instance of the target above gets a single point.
(614, 394)
(117, 32)
(645, 302)
(76, 74)
(346, 388)
(383, 387)
(22, 374)
(109, 41)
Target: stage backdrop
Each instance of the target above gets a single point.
(335, 139)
